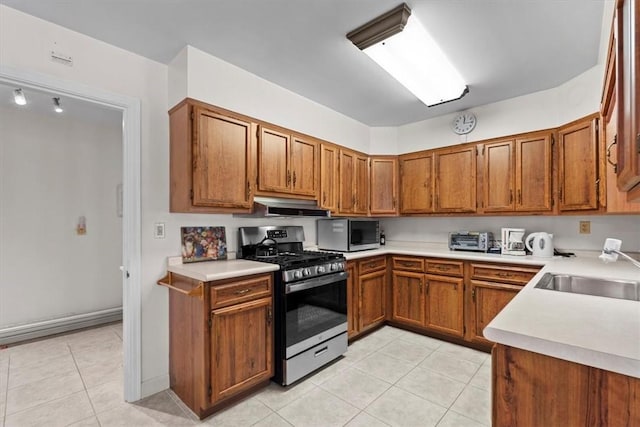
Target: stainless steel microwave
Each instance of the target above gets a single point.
(348, 234)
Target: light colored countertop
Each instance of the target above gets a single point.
(594, 331)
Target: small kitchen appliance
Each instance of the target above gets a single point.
(348, 234)
(478, 241)
(310, 299)
(513, 241)
(542, 245)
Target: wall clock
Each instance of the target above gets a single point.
(464, 123)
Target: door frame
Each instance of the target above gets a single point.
(131, 217)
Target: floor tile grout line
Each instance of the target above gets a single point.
(6, 392)
(84, 385)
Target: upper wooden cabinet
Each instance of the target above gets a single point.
(416, 183)
(328, 177)
(286, 164)
(517, 174)
(353, 183)
(384, 186)
(627, 36)
(578, 165)
(455, 179)
(212, 166)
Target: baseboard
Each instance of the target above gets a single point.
(154, 385)
(55, 326)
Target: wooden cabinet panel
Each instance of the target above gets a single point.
(445, 299)
(303, 167)
(221, 161)
(384, 186)
(488, 300)
(361, 185)
(516, 274)
(408, 263)
(498, 179)
(328, 177)
(416, 183)
(372, 299)
(274, 171)
(533, 173)
(353, 300)
(455, 180)
(372, 264)
(347, 173)
(408, 298)
(445, 266)
(240, 290)
(578, 166)
(241, 347)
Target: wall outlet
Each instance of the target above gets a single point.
(585, 227)
(158, 230)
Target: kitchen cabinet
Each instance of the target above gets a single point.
(287, 164)
(366, 294)
(353, 300)
(384, 186)
(531, 389)
(328, 177)
(408, 297)
(627, 37)
(578, 185)
(416, 183)
(517, 174)
(220, 338)
(491, 288)
(353, 183)
(455, 179)
(212, 166)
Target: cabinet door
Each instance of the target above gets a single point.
(488, 300)
(416, 189)
(241, 347)
(274, 172)
(444, 304)
(372, 299)
(353, 299)
(533, 173)
(384, 186)
(347, 198)
(455, 180)
(361, 185)
(304, 163)
(221, 161)
(408, 298)
(328, 177)
(578, 166)
(498, 176)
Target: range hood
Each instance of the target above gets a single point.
(270, 207)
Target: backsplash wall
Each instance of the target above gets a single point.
(564, 229)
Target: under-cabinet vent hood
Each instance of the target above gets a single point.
(270, 207)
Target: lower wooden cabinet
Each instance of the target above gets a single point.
(220, 340)
(408, 297)
(531, 389)
(444, 308)
(366, 294)
(353, 300)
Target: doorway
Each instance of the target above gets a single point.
(130, 206)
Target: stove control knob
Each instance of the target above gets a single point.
(321, 269)
(306, 272)
(297, 274)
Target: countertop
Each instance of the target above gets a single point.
(594, 331)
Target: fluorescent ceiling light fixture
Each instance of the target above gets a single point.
(399, 43)
(19, 98)
(56, 105)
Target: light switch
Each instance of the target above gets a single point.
(585, 227)
(158, 230)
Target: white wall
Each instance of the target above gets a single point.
(54, 169)
(564, 229)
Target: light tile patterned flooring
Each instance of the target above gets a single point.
(389, 378)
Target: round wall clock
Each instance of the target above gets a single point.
(464, 123)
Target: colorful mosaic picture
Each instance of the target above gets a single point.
(203, 244)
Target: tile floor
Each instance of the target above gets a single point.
(389, 378)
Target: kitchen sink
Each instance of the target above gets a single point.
(621, 289)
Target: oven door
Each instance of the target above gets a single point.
(316, 310)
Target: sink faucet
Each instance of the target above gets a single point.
(611, 251)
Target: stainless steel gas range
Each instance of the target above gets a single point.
(310, 299)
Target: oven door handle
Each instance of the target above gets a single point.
(315, 282)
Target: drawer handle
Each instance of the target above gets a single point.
(504, 274)
(321, 351)
(372, 264)
(242, 291)
(443, 267)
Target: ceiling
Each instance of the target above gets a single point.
(503, 48)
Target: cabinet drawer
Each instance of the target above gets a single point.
(237, 291)
(503, 273)
(449, 268)
(408, 264)
(372, 264)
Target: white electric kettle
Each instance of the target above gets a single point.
(542, 244)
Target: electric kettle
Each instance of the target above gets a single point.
(542, 244)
